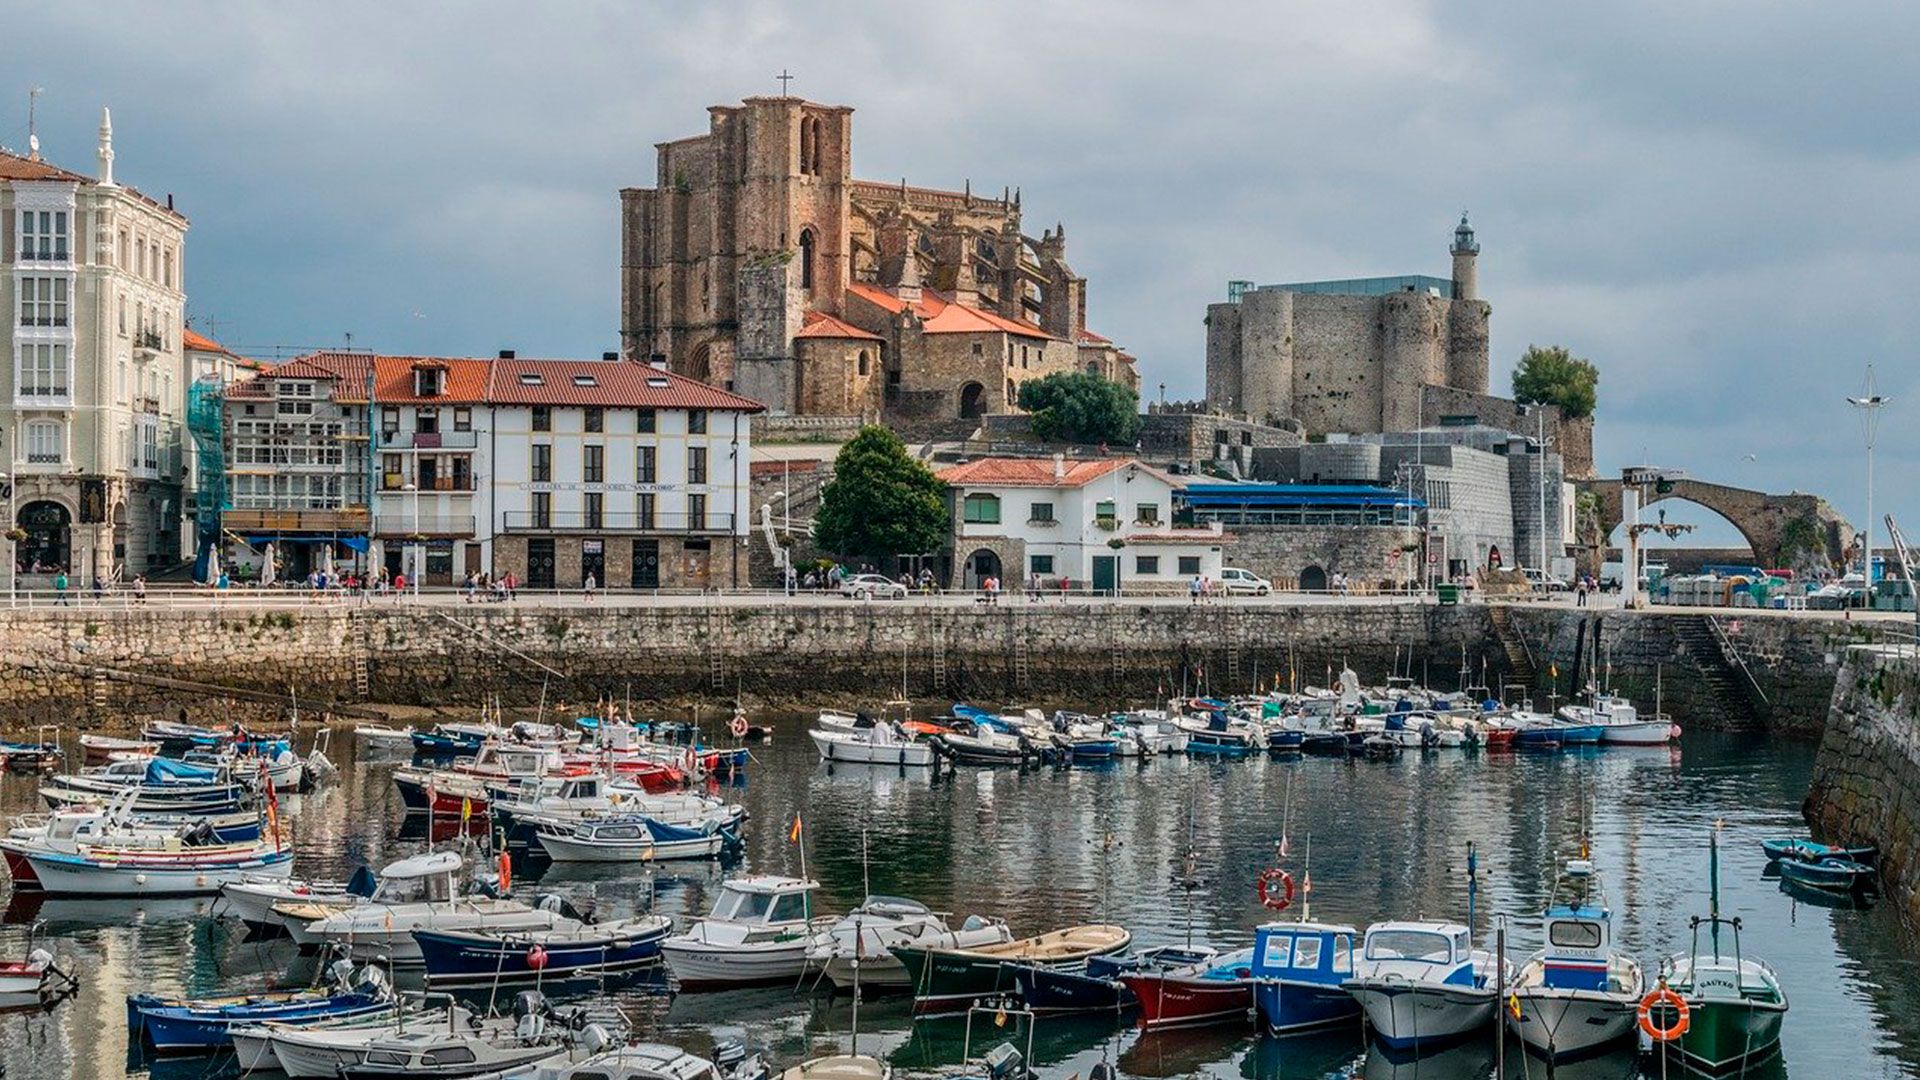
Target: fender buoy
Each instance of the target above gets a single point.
(506, 873)
(1683, 1017)
(738, 725)
(1279, 899)
(536, 958)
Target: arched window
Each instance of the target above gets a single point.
(863, 361)
(806, 145)
(806, 258)
(970, 403)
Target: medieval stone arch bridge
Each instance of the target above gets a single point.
(1767, 521)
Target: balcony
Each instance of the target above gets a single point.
(147, 404)
(147, 344)
(396, 483)
(428, 440)
(348, 521)
(402, 525)
(576, 521)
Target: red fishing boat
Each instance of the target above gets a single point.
(1218, 993)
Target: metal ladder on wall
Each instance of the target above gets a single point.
(363, 660)
(97, 691)
(937, 649)
(1230, 644)
(716, 650)
(1115, 654)
(1020, 666)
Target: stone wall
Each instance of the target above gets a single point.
(1866, 779)
(1370, 555)
(120, 667)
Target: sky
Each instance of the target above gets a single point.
(1712, 201)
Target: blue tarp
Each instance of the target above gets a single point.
(664, 833)
(166, 770)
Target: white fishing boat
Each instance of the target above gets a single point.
(867, 741)
(1422, 983)
(327, 1052)
(184, 871)
(655, 1061)
(100, 749)
(377, 735)
(1579, 993)
(757, 932)
(1620, 723)
(253, 1043)
(843, 1067)
(868, 932)
(633, 838)
(382, 929)
(416, 879)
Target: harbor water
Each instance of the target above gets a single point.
(1048, 848)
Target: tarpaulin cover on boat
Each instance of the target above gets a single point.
(166, 770)
(665, 833)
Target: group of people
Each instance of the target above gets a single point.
(482, 586)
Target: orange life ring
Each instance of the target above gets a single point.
(1664, 996)
(738, 725)
(1267, 881)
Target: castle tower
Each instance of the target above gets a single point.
(1466, 258)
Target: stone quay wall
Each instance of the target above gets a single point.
(1866, 779)
(115, 668)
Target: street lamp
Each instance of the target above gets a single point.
(414, 550)
(1869, 403)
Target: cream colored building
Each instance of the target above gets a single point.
(92, 398)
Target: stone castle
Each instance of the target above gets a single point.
(1349, 356)
(757, 262)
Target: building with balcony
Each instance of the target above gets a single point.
(93, 390)
(428, 501)
(1105, 524)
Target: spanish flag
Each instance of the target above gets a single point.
(466, 809)
(1513, 1005)
(793, 834)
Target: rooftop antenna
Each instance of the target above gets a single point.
(784, 78)
(33, 136)
(1869, 403)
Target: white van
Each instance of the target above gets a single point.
(1234, 581)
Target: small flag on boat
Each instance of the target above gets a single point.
(1306, 882)
(466, 809)
(1000, 1017)
(1513, 1005)
(1553, 670)
(793, 834)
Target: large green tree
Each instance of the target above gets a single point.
(1081, 407)
(880, 501)
(1550, 375)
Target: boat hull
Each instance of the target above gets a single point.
(571, 849)
(185, 1029)
(1563, 1024)
(1056, 991)
(1406, 1015)
(699, 965)
(947, 982)
(462, 959)
(1168, 1001)
(835, 746)
(1640, 733)
(1725, 1036)
(72, 876)
(1286, 1007)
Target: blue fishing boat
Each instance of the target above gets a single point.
(204, 1026)
(1298, 969)
(1832, 873)
(569, 951)
(1211, 729)
(450, 740)
(1286, 740)
(1096, 987)
(1777, 850)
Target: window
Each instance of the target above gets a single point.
(292, 407)
(1040, 513)
(542, 418)
(43, 235)
(542, 463)
(864, 361)
(1147, 514)
(1104, 514)
(168, 279)
(789, 908)
(1146, 564)
(46, 442)
(1275, 953)
(593, 464)
(43, 301)
(643, 511)
(647, 467)
(696, 464)
(696, 511)
(1574, 935)
(979, 349)
(429, 381)
(697, 422)
(806, 258)
(1189, 565)
(1040, 564)
(596, 419)
(463, 419)
(1342, 953)
(1306, 953)
(426, 421)
(980, 509)
(123, 316)
(543, 509)
(646, 421)
(596, 509)
(43, 371)
(122, 262)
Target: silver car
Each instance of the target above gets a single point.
(872, 586)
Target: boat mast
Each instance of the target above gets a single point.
(1713, 891)
(1473, 886)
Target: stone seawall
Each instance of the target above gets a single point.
(112, 667)
(1866, 779)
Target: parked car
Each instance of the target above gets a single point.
(872, 586)
(1234, 581)
(1542, 581)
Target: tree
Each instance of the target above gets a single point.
(880, 501)
(1550, 375)
(1080, 407)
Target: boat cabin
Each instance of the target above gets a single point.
(497, 760)
(423, 879)
(1304, 952)
(764, 901)
(640, 1061)
(1579, 931)
(1421, 950)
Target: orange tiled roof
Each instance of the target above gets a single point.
(465, 380)
(1088, 337)
(202, 343)
(15, 167)
(614, 384)
(819, 324)
(1030, 472)
(942, 315)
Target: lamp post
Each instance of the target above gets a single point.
(1869, 403)
(413, 560)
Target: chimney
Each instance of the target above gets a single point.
(506, 354)
(609, 356)
(658, 362)
(1059, 468)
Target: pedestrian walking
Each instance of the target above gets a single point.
(591, 584)
(60, 587)
(1580, 591)
(1193, 590)
(139, 588)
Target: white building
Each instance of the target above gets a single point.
(1105, 524)
(94, 390)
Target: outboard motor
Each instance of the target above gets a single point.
(340, 973)
(201, 835)
(729, 1053)
(1004, 1062)
(530, 1003)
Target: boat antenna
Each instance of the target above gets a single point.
(1473, 885)
(1713, 890)
(1306, 883)
(866, 879)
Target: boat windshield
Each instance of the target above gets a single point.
(1574, 935)
(742, 906)
(1423, 945)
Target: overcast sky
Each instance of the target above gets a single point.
(1712, 201)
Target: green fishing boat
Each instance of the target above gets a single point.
(1735, 1003)
(948, 981)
